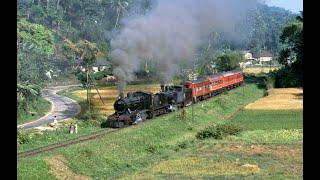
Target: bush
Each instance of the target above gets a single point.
(208, 132)
(22, 136)
(269, 82)
(153, 148)
(219, 131)
(229, 129)
(182, 115)
(287, 77)
(86, 116)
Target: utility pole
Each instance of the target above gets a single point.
(262, 66)
(88, 97)
(270, 62)
(192, 113)
(96, 89)
(243, 81)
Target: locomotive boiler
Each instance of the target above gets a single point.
(141, 105)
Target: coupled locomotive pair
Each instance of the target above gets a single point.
(141, 105)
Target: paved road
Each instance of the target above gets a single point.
(62, 107)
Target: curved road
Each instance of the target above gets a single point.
(62, 107)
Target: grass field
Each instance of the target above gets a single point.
(40, 106)
(257, 70)
(270, 147)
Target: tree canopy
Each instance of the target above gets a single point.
(291, 56)
(35, 45)
(228, 61)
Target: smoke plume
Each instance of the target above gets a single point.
(171, 32)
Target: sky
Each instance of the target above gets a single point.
(292, 5)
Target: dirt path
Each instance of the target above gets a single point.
(62, 107)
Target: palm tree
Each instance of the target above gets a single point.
(120, 7)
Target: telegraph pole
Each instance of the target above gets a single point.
(243, 81)
(88, 97)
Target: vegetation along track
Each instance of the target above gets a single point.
(80, 139)
(88, 137)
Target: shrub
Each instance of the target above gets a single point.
(153, 148)
(86, 116)
(287, 77)
(229, 129)
(182, 115)
(208, 132)
(90, 115)
(22, 136)
(269, 82)
(219, 131)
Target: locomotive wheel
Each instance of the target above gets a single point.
(151, 115)
(126, 123)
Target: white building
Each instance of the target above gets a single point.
(264, 56)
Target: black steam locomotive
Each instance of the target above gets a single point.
(141, 105)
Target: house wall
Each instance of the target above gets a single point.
(264, 58)
(97, 69)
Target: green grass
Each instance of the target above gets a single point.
(151, 150)
(139, 147)
(269, 126)
(40, 106)
(269, 119)
(62, 134)
(283, 136)
(33, 168)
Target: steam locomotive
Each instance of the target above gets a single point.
(141, 105)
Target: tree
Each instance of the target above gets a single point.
(291, 56)
(34, 37)
(228, 61)
(34, 47)
(83, 50)
(300, 17)
(120, 8)
(292, 36)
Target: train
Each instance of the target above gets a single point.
(139, 106)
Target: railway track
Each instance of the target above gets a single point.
(64, 144)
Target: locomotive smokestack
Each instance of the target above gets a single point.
(162, 87)
(120, 95)
(121, 86)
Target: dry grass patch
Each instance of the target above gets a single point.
(257, 70)
(280, 99)
(292, 168)
(203, 167)
(61, 171)
(110, 94)
(276, 151)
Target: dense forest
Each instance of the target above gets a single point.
(50, 32)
